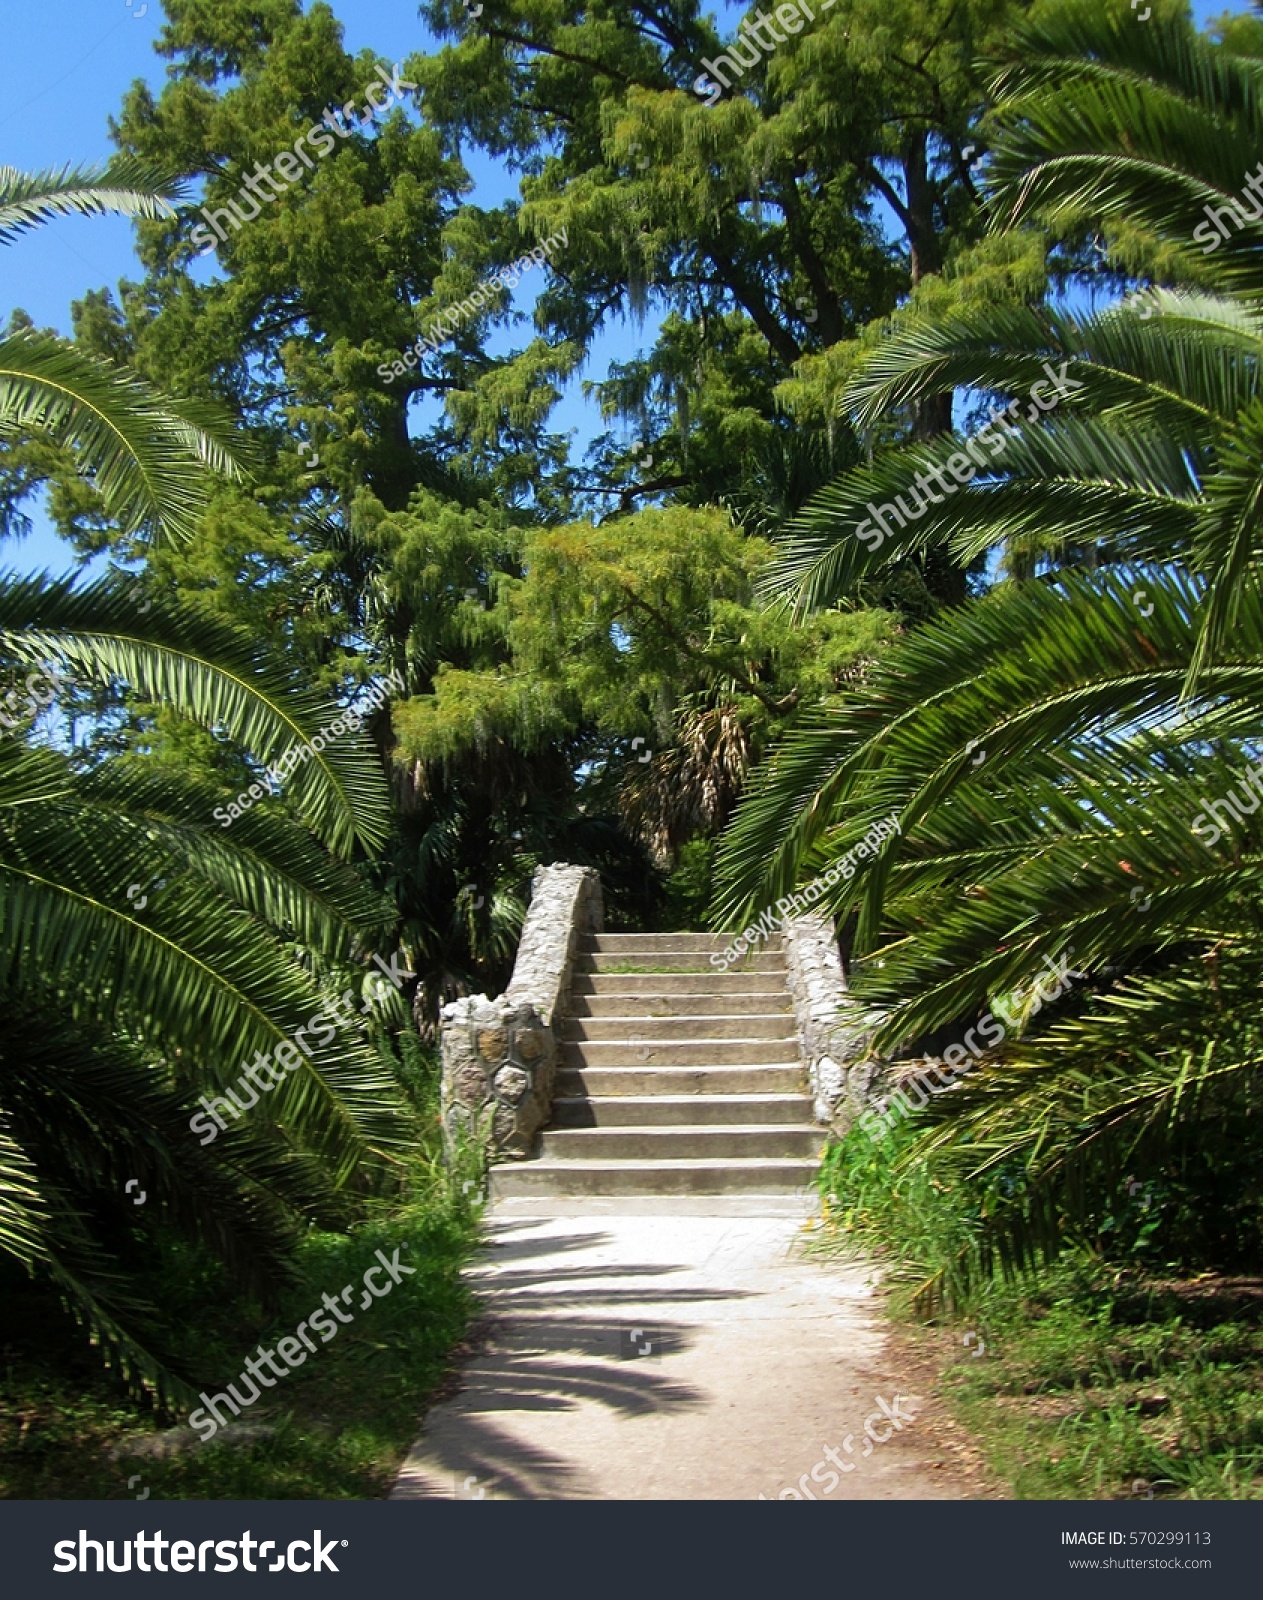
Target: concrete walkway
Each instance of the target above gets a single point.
(676, 1356)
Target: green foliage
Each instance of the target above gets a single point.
(602, 664)
(1050, 745)
(1108, 1374)
(750, 227)
(689, 888)
(872, 1197)
(1099, 1385)
(126, 1000)
(146, 454)
(117, 1011)
(1007, 269)
(335, 1429)
(127, 188)
(444, 533)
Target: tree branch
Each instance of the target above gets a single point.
(889, 193)
(566, 55)
(754, 302)
(698, 654)
(799, 226)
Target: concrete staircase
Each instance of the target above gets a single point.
(675, 1078)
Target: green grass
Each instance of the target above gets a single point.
(644, 966)
(1100, 1378)
(1103, 1385)
(338, 1426)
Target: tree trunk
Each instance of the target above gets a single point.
(934, 413)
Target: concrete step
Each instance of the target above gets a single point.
(673, 960)
(743, 982)
(636, 1030)
(803, 1204)
(679, 1110)
(606, 1082)
(708, 1052)
(683, 1143)
(675, 1079)
(679, 1005)
(667, 941)
(546, 1177)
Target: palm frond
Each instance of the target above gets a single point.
(217, 676)
(152, 459)
(124, 186)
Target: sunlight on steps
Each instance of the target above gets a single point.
(675, 1079)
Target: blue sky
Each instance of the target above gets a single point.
(57, 102)
(63, 73)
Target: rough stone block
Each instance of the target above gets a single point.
(470, 1085)
(504, 1126)
(529, 1044)
(511, 1084)
(833, 1033)
(501, 1054)
(493, 1044)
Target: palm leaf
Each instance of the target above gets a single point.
(125, 186)
(217, 676)
(151, 459)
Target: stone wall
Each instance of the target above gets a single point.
(832, 1032)
(500, 1056)
(565, 902)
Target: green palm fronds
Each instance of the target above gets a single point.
(152, 459)
(1097, 117)
(217, 677)
(152, 999)
(149, 457)
(124, 186)
(120, 1008)
(1052, 748)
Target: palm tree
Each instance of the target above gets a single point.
(1050, 748)
(150, 458)
(146, 952)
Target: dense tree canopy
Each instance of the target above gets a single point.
(1056, 749)
(431, 520)
(958, 253)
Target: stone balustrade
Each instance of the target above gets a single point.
(500, 1056)
(833, 1032)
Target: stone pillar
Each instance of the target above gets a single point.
(833, 1032)
(500, 1056)
(565, 902)
(499, 1061)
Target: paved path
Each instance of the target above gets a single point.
(676, 1356)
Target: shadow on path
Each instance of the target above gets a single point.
(555, 1336)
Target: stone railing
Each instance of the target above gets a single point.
(832, 1032)
(500, 1056)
